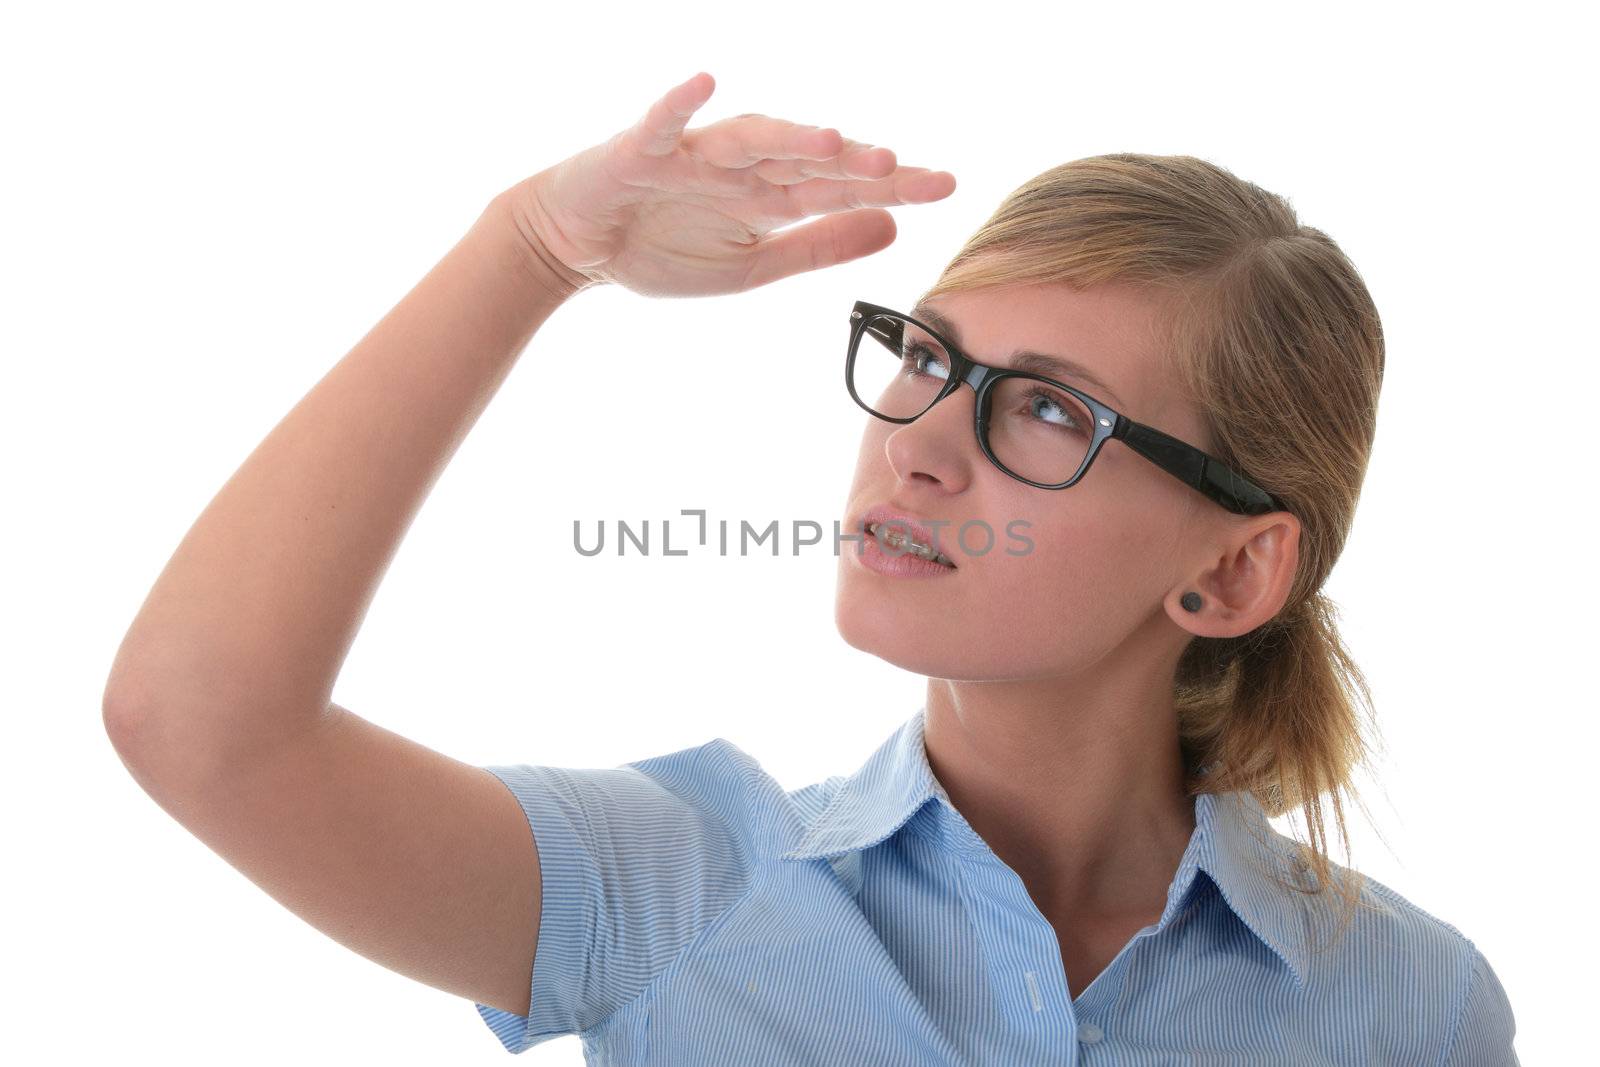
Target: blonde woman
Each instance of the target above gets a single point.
(1109, 459)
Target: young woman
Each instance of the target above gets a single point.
(1110, 459)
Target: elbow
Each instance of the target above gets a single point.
(129, 722)
(139, 719)
(126, 702)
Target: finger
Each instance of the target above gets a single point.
(822, 243)
(854, 160)
(745, 140)
(661, 129)
(907, 185)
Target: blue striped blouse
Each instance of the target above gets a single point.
(696, 915)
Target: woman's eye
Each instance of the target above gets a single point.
(1047, 407)
(920, 358)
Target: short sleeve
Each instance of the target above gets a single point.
(1486, 1025)
(634, 861)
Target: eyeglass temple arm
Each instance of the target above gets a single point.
(1197, 469)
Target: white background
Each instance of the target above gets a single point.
(205, 206)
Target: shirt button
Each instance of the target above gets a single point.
(1089, 1033)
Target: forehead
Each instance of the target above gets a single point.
(1111, 331)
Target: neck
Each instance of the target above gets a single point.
(1076, 783)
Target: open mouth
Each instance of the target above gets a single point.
(899, 540)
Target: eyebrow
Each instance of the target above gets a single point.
(1023, 359)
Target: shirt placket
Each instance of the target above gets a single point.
(1023, 957)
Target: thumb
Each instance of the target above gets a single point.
(661, 129)
(825, 242)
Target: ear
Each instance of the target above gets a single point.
(1247, 583)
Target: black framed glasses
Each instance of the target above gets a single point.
(1036, 429)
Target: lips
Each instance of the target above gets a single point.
(897, 524)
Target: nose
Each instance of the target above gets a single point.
(939, 446)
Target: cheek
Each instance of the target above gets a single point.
(1093, 568)
(1064, 578)
(872, 460)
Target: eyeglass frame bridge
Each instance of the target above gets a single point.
(1192, 466)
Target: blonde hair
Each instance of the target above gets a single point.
(1275, 340)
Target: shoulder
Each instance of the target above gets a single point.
(1425, 936)
(732, 788)
(1417, 967)
(1384, 928)
(718, 770)
(714, 790)
(1417, 936)
(1414, 929)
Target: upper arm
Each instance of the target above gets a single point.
(1486, 1025)
(459, 876)
(417, 861)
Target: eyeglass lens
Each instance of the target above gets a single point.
(1035, 430)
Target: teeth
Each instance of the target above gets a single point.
(899, 540)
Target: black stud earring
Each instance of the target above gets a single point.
(1190, 601)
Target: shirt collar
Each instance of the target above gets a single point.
(1232, 842)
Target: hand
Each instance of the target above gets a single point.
(665, 211)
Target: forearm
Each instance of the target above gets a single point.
(240, 640)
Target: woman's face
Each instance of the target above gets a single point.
(1104, 553)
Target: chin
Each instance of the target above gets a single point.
(949, 644)
(881, 629)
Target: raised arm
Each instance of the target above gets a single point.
(236, 647)
(218, 699)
